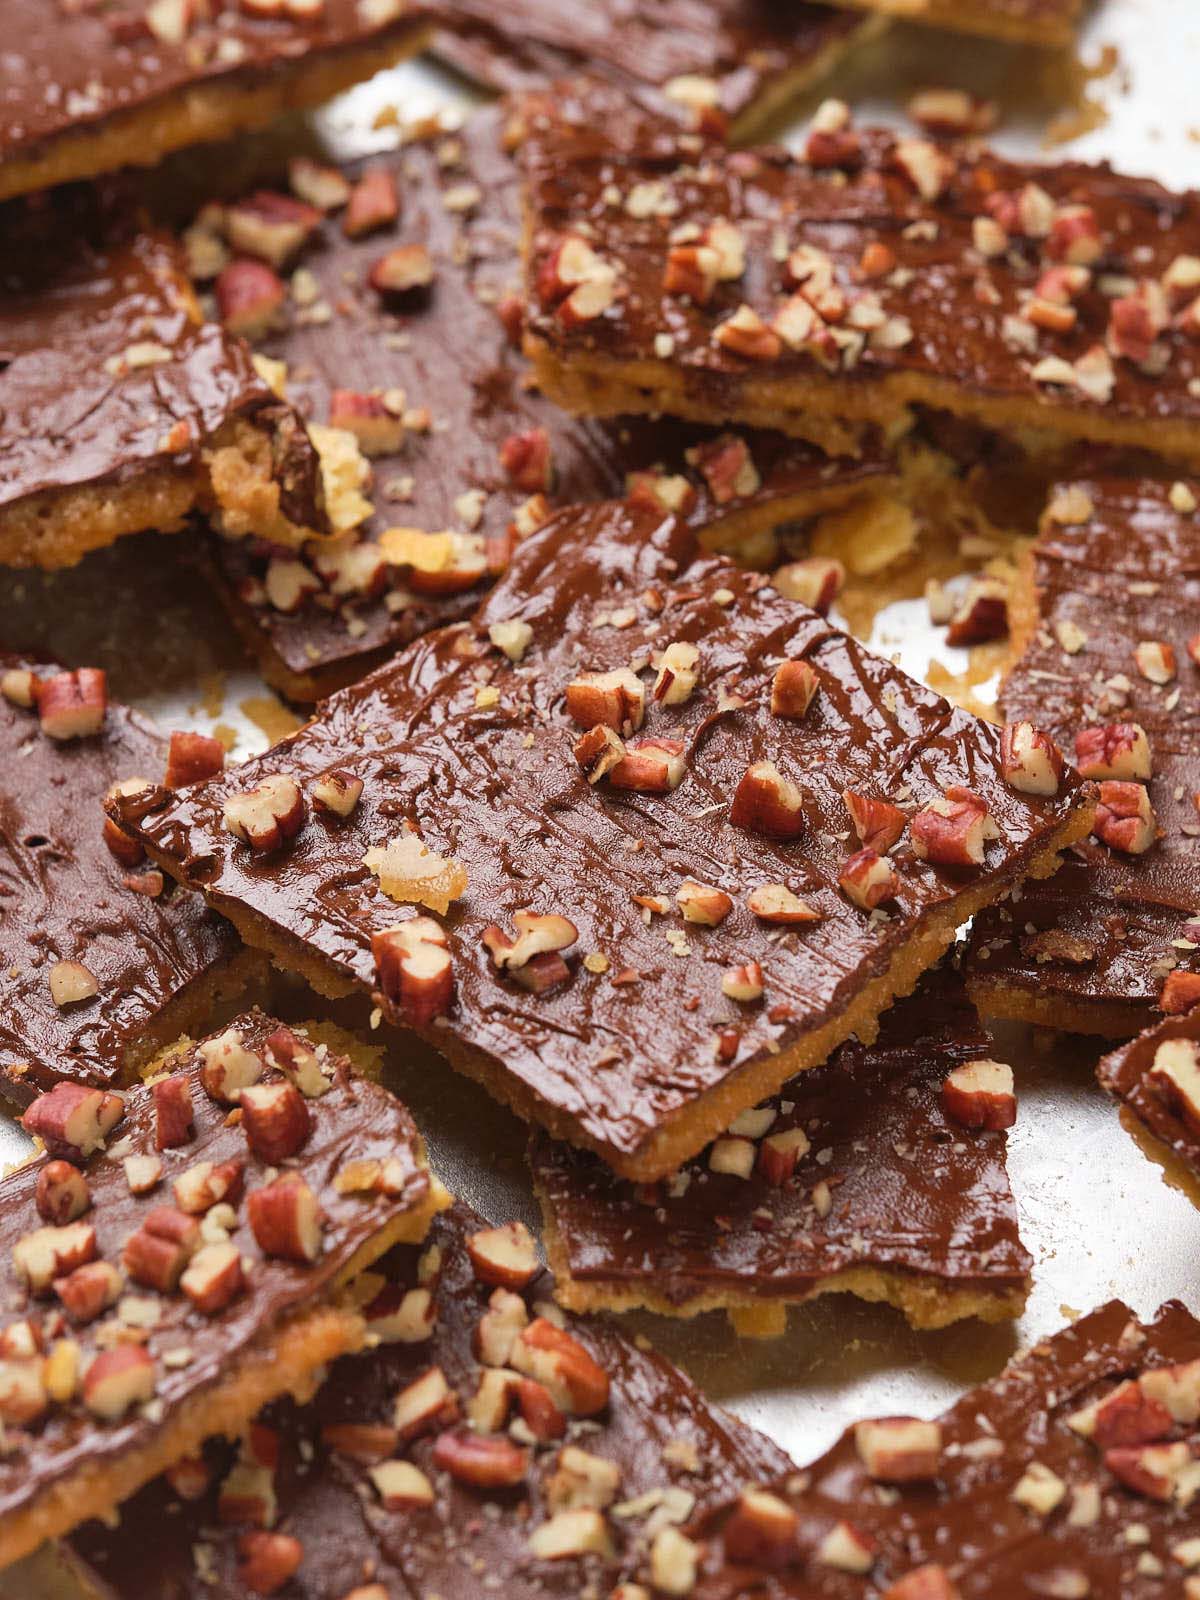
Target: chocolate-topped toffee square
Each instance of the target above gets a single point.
(635, 846)
(1106, 624)
(122, 409)
(1075, 1472)
(881, 1174)
(837, 288)
(726, 65)
(480, 1448)
(398, 324)
(86, 89)
(175, 1258)
(1156, 1079)
(103, 960)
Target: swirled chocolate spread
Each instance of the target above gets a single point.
(622, 803)
(114, 394)
(1073, 1473)
(151, 956)
(1156, 1077)
(729, 63)
(432, 1464)
(426, 377)
(840, 286)
(86, 89)
(170, 1260)
(854, 1177)
(1108, 668)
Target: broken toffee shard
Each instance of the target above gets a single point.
(881, 1174)
(1105, 626)
(635, 846)
(1156, 1079)
(833, 291)
(85, 90)
(163, 1278)
(727, 65)
(418, 313)
(1073, 1473)
(103, 962)
(122, 409)
(478, 1441)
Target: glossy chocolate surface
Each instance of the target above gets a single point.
(447, 350)
(69, 68)
(1124, 1073)
(966, 1520)
(942, 314)
(477, 751)
(1129, 573)
(657, 1428)
(62, 898)
(353, 1121)
(912, 1192)
(744, 49)
(105, 372)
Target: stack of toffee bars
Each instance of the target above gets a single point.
(593, 798)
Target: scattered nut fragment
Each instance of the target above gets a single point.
(71, 983)
(504, 1257)
(72, 705)
(414, 968)
(267, 815)
(979, 1094)
(899, 1449)
(768, 803)
(701, 903)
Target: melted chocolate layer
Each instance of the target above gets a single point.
(910, 1192)
(937, 322)
(353, 1121)
(657, 1429)
(69, 68)
(447, 350)
(62, 898)
(1128, 573)
(105, 371)
(746, 51)
(476, 750)
(1173, 1120)
(1100, 1539)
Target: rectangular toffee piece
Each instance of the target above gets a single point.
(103, 962)
(881, 1174)
(122, 409)
(619, 847)
(173, 1260)
(1105, 626)
(479, 1441)
(1156, 1079)
(1048, 22)
(85, 89)
(1073, 1473)
(729, 66)
(835, 289)
(400, 330)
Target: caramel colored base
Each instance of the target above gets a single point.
(983, 17)
(1106, 1019)
(142, 137)
(925, 1302)
(1176, 1174)
(777, 94)
(833, 413)
(687, 1132)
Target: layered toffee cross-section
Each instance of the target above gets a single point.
(122, 409)
(175, 1257)
(1107, 616)
(635, 846)
(879, 1174)
(726, 65)
(389, 291)
(1044, 22)
(85, 90)
(481, 1447)
(1156, 1079)
(103, 961)
(832, 291)
(1075, 1472)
